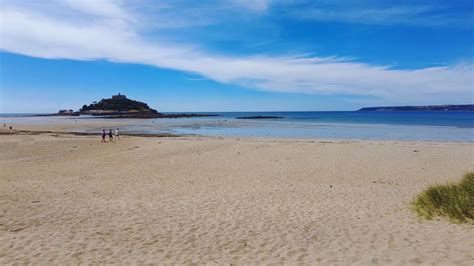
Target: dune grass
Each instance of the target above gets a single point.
(454, 200)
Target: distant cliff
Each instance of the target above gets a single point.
(463, 107)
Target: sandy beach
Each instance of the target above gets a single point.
(72, 199)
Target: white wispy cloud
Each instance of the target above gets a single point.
(383, 14)
(254, 5)
(102, 8)
(89, 32)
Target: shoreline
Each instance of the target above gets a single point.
(75, 133)
(257, 128)
(247, 138)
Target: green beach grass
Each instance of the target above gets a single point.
(454, 201)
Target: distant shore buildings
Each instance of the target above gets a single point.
(70, 111)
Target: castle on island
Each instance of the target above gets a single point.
(119, 97)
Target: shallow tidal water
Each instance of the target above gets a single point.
(413, 126)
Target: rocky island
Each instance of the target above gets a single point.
(119, 106)
(462, 107)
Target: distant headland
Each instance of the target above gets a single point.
(119, 106)
(462, 107)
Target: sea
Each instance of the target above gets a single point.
(354, 125)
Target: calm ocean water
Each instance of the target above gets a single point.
(457, 119)
(429, 126)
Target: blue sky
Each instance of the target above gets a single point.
(235, 55)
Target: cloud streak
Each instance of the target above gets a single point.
(253, 5)
(420, 16)
(107, 30)
(416, 14)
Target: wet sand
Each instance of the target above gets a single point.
(73, 199)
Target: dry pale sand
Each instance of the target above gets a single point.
(71, 199)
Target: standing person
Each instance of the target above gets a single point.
(111, 138)
(103, 135)
(117, 134)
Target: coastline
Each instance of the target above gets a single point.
(75, 133)
(307, 125)
(66, 130)
(192, 199)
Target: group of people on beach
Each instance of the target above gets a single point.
(111, 136)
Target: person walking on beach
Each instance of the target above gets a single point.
(111, 138)
(117, 134)
(103, 135)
